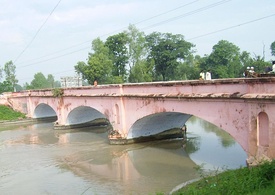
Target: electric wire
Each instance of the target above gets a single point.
(89, 41)
(187, 14)
(157, 24)
(203, 35)
(235, 26)
(35, 35)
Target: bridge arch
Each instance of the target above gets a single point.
(44, 111)
(84, 115)
(157, 123)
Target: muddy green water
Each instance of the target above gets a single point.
(35, 159)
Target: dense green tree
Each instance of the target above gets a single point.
(6, 86)
(99, 65)
(142, 72)
(118, 53)
(39, 82)
(9, 69)
(189, 69)
(140, 69)
(136, 46)
(224, 61)
(259, 64)
(168, 51)
(50, 81)
(272, 48)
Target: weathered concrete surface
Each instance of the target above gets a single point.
(245, 108)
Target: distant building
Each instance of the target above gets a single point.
(75, 81)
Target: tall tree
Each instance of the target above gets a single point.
(50, 80)
(39, 82)
(136, 45)
(224, 61)
(167, 51)
(9, 70)
(142, 72)
(118, 53)
(99, 65)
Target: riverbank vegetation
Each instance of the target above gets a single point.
(258, 180)
(7, 113)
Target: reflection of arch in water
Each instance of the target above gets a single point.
(164, 159)
(224, 137)
(157, 123)
(166, 162)
(85, 116)
(43, 111)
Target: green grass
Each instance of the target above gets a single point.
(6, 113)
(251, 181)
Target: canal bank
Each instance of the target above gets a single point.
(258, 180)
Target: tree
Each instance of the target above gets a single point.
(272, 47)
(39, 82)
(9, 70)
(142, 72)
(167, 51)
(259, 64)
(189, 69)
(224, 61)
(118, 53)
(99, 65)
(6, 86)
(50, 81)
(136, 45)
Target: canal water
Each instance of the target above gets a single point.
(35, 159)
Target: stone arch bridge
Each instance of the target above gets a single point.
(245, 108)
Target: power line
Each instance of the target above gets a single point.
(160, 23)
(224, 29)
(88, 41)
(166, 12)
(35, 35)
(187, 14)
(154, 25)
(53, 58)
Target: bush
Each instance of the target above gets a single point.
(241, 181)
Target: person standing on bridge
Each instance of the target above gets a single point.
(202, 75)
(208, 75)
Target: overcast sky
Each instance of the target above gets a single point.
(51, 36)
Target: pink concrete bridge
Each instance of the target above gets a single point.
(245, 108)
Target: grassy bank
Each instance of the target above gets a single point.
(6, 113)
(258, 180)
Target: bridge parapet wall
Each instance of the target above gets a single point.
(218, 86)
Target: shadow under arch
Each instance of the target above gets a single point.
(154, 124)
(44, 111)
(84, 116)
